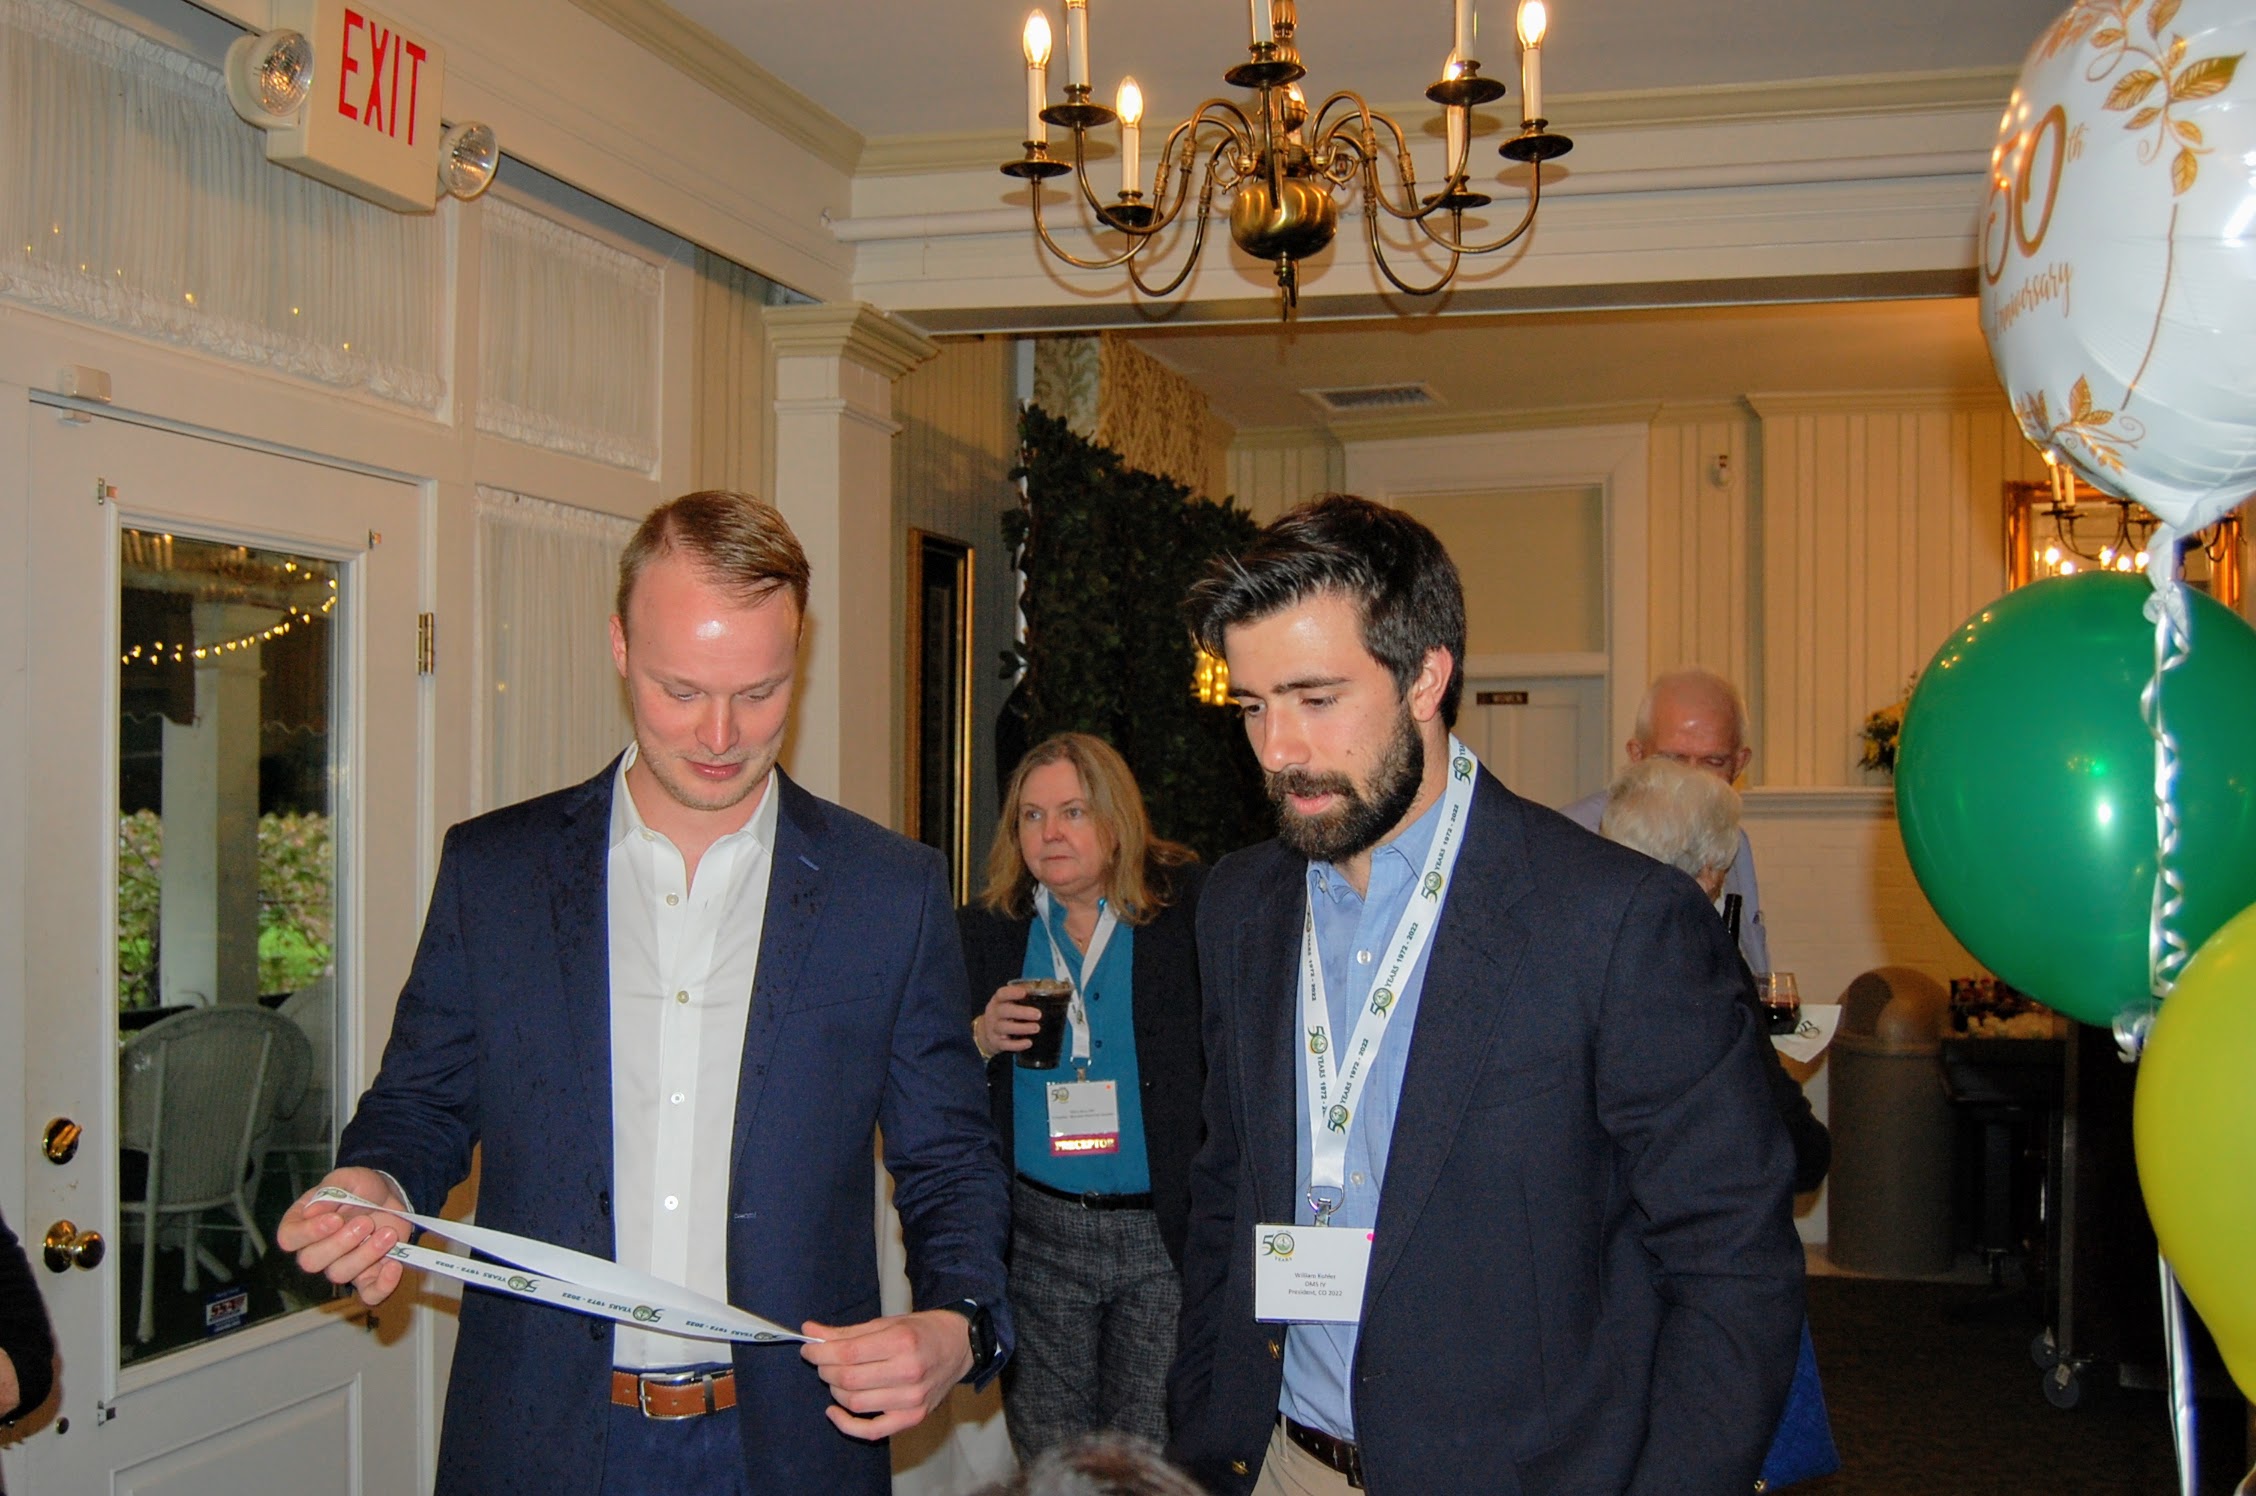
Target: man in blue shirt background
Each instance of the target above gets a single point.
(1492, 1067)
(1696, 718)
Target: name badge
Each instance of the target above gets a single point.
(1310, 1274)
(1084, 1118)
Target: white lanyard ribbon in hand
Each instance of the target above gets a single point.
(1334, 1079)
(1077, 1014)
(573, 1280)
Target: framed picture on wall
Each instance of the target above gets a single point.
(2058, 530)
(939, 698)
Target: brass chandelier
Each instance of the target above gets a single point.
(1284, 169)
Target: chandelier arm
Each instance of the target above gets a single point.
(1166, 213)
(1349, 97)
(1378, 258)
(1242, 129)
(1042, 230)
(1411, 211)
(1190, 260)
(1527, 218)
(1088, 194)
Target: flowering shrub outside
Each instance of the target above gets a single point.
(297, 903)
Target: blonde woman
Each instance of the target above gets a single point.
(1078, 888)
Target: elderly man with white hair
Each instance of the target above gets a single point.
(1690, 820)
(1695, 717)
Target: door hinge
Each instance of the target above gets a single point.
(426, 644)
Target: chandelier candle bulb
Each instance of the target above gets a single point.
(1534, 19)
(1036, 44)
(1077, 44)
(1131, 105)
(1461, 28)
(1257, 18)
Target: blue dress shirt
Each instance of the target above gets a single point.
(1112, 1056)
(1351, 940)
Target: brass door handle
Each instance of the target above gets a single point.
(60, 1141)
(67, 1247)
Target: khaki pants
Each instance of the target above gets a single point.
(1289, 1470)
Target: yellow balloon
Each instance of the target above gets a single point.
(2194, 1122)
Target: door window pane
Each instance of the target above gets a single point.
(227, 927)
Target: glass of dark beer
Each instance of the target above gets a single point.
(1051, 998)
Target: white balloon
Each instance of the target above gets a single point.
(2118, 274)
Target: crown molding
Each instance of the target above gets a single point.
(1802, 98)
(669, 35)
(1488, 422)
(1693, 412)
(1282, 439)
(958, 150)
(1714, 104)
(1865, 402)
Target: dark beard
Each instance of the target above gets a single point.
(1356, 824)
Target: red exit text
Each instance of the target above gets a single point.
(379, 64)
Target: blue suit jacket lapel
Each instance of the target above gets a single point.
(1470, 979)
(579, 904)
(1268, 1037)
(798, 887)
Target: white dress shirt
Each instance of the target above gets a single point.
(683, 960)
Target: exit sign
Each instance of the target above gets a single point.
(371, 123)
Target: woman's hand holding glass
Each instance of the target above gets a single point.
(1007, 1024)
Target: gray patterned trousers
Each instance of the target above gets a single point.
(1094, 1297)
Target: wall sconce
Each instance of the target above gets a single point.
(1210, 680)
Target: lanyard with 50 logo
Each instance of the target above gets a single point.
(1334, 1079)
(549, 1274)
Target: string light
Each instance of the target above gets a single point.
(159, 653)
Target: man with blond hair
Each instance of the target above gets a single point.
(1696, 717)
(675, 1005)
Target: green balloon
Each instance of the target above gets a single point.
(2025, 785)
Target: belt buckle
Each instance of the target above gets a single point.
(644, 1383)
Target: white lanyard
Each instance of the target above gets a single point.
(574, 1280)
(1077, 1014)
(1331, 1093)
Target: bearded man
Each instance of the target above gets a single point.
(1492, 1197)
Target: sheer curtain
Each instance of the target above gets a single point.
(568, 341)
(554, 710)
(131, 196)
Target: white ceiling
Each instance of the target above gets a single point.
(945, 66)
(889, 69)
(1550, 361)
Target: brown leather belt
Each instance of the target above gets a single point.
(1340, 1454)
(689, 1394)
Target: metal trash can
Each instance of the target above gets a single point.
(1890, 1206)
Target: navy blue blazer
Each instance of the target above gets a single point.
(503, 1040)
(1585, 1277)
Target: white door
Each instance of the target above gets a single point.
(223, 897)
(1543, 736)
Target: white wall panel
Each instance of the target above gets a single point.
(1880, 528)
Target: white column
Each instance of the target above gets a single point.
(834, 370)
(208, 917)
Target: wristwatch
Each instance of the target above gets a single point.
(983, 1344)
